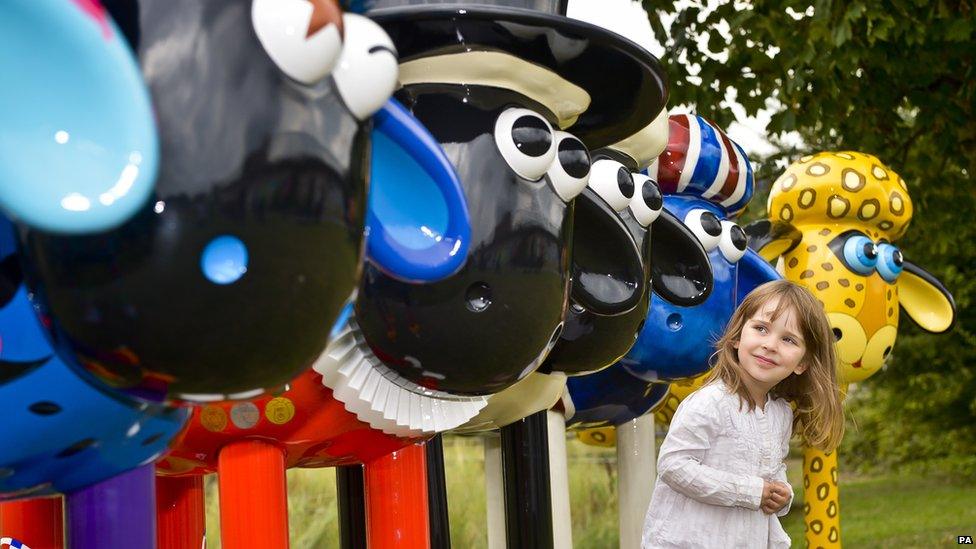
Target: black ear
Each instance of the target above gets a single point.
(608, 271)
(680, 270)
(771, 239)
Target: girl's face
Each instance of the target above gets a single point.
(770, 350)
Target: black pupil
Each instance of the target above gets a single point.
(531, 136)
(711, 224)
(838, 334)
(625, 182)
(870, 251)
(574, 158)
(652, 195)
(738, 237)
(897, 258)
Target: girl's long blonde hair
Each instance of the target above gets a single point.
(818, 417)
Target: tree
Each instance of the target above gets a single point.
(893, 78)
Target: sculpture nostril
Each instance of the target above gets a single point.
(838, 334)
(478, 297)
(886, 352)
(675, 322)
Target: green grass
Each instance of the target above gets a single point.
(886, 511)
(893, 511)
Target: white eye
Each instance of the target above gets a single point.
(571, 169)
(733, 241)
(367, 72)
(706, 227)
(525, 140)
(613, 182)
(302, 37)
(647, 201)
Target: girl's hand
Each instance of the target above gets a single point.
(774, 497)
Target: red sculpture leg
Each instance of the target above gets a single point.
(181, 519)
(253, 495)
(37, 522)
(396, 500)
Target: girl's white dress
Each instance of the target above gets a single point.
(711, 471)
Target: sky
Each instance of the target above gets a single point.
(628, 18)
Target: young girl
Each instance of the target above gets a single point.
(721, 471)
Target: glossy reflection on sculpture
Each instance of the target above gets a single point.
(516, 114)
(313, 426)
(703, 185)
(69, 122)
(319, 420)
(594, 335)
(222, 283)
(66, 434)
(613, 235)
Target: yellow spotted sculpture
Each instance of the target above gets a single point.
(677, 392)
(833, 219)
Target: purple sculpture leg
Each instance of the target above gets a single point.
(119, 513)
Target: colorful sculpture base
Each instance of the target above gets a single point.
(181, 519)
(119, 513)
(40, 520)
(253, 495)
(396, 500)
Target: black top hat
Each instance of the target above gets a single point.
(626, 85)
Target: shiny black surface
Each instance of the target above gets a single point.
(485, 327)
(680, 273)
(598, 327)
(525, 469)
(610, 257)
(244, 152)
(440, 525)
(351, 500)
(591, 341)
(627, 85)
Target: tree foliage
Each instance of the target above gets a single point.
(893, 78)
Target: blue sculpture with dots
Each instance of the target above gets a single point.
(706, 186)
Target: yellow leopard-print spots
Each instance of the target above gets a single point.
(825, 196)
(844, 186)
(822, 507)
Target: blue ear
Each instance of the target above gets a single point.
(417, 223)
(752, 271)
(78, 145)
